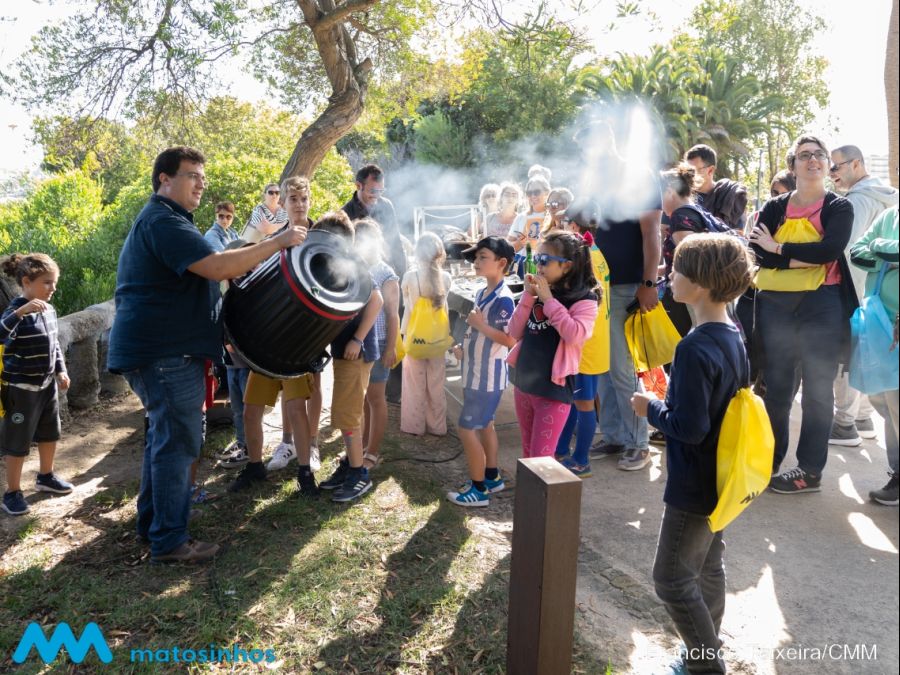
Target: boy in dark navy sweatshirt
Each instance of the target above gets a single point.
(710, 365)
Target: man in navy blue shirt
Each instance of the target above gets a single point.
(166, 326)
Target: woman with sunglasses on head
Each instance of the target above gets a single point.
(805, 299)
(267, 217)
(553, 320)
(558, 201)
(526, 228)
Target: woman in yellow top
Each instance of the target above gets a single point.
(805, 299)
(583, 218)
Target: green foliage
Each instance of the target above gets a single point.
(774, 41)
(697, 95)
(332, 184)
(61, 218)
(438, 141)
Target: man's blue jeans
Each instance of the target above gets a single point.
(172, 391)
(237, 385)
(618, 423)
(689, 575)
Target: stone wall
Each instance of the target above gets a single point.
(84, 337)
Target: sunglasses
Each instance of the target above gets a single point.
(534, 193)
(543, 259)
(834, 167)
(273, 192)
(375, 191)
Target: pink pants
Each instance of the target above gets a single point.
(423, 403)
(541, 421)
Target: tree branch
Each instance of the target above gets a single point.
(343, 11)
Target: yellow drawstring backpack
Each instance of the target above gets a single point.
(652, 338)
(428, 331)
(743, 455)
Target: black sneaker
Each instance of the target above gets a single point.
(336, 480)
(356, 485)
(889, 495)
(794, 481)
(865, 427)
(603, 449)
(306, 481)
(253, 472)
(14, 503)
(49, 482)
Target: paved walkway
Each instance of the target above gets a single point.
(812, 578)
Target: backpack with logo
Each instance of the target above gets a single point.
(744, 453)
(428, 331)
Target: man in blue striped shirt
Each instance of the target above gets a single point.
(484, 371)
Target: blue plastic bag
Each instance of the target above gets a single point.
(874, 368)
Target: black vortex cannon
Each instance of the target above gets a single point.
(280, 317)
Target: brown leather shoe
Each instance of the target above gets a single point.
(190, 551)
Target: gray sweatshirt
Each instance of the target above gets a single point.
(870, 198)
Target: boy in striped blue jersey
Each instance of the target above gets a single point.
(33, 369)
(484, 371)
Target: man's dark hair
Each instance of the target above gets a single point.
(169, 160)
(706, 154)
(367, 171)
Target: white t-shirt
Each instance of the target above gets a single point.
(529, 225)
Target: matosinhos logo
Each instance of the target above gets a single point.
(62, 636)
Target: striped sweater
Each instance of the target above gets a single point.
(32, 355)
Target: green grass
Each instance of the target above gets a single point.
(396, 582)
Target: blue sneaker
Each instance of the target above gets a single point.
(356, 484)
(469, 495)
(14, 503)
(580, 470)
(494, 486)
(50, 482)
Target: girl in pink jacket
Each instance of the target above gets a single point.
(553, 320)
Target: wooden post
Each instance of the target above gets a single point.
(543, 568)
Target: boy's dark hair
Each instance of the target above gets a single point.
(785, 178)
(682, 178)
(792, 152)
(336, 222)
(706, 154)
(719, 263)
(369, 171)
(580, 279)
(225, 206)
(169, 160)
(30, 266)
(585, 214)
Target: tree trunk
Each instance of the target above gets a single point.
(891, 58)
(348, 77)
(318, 138)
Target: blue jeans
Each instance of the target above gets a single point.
(237, 385)
(801, 333)
(172, 391)
(689, 575)
(618, 423)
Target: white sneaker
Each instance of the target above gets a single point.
(314, 462)
(282, 456)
